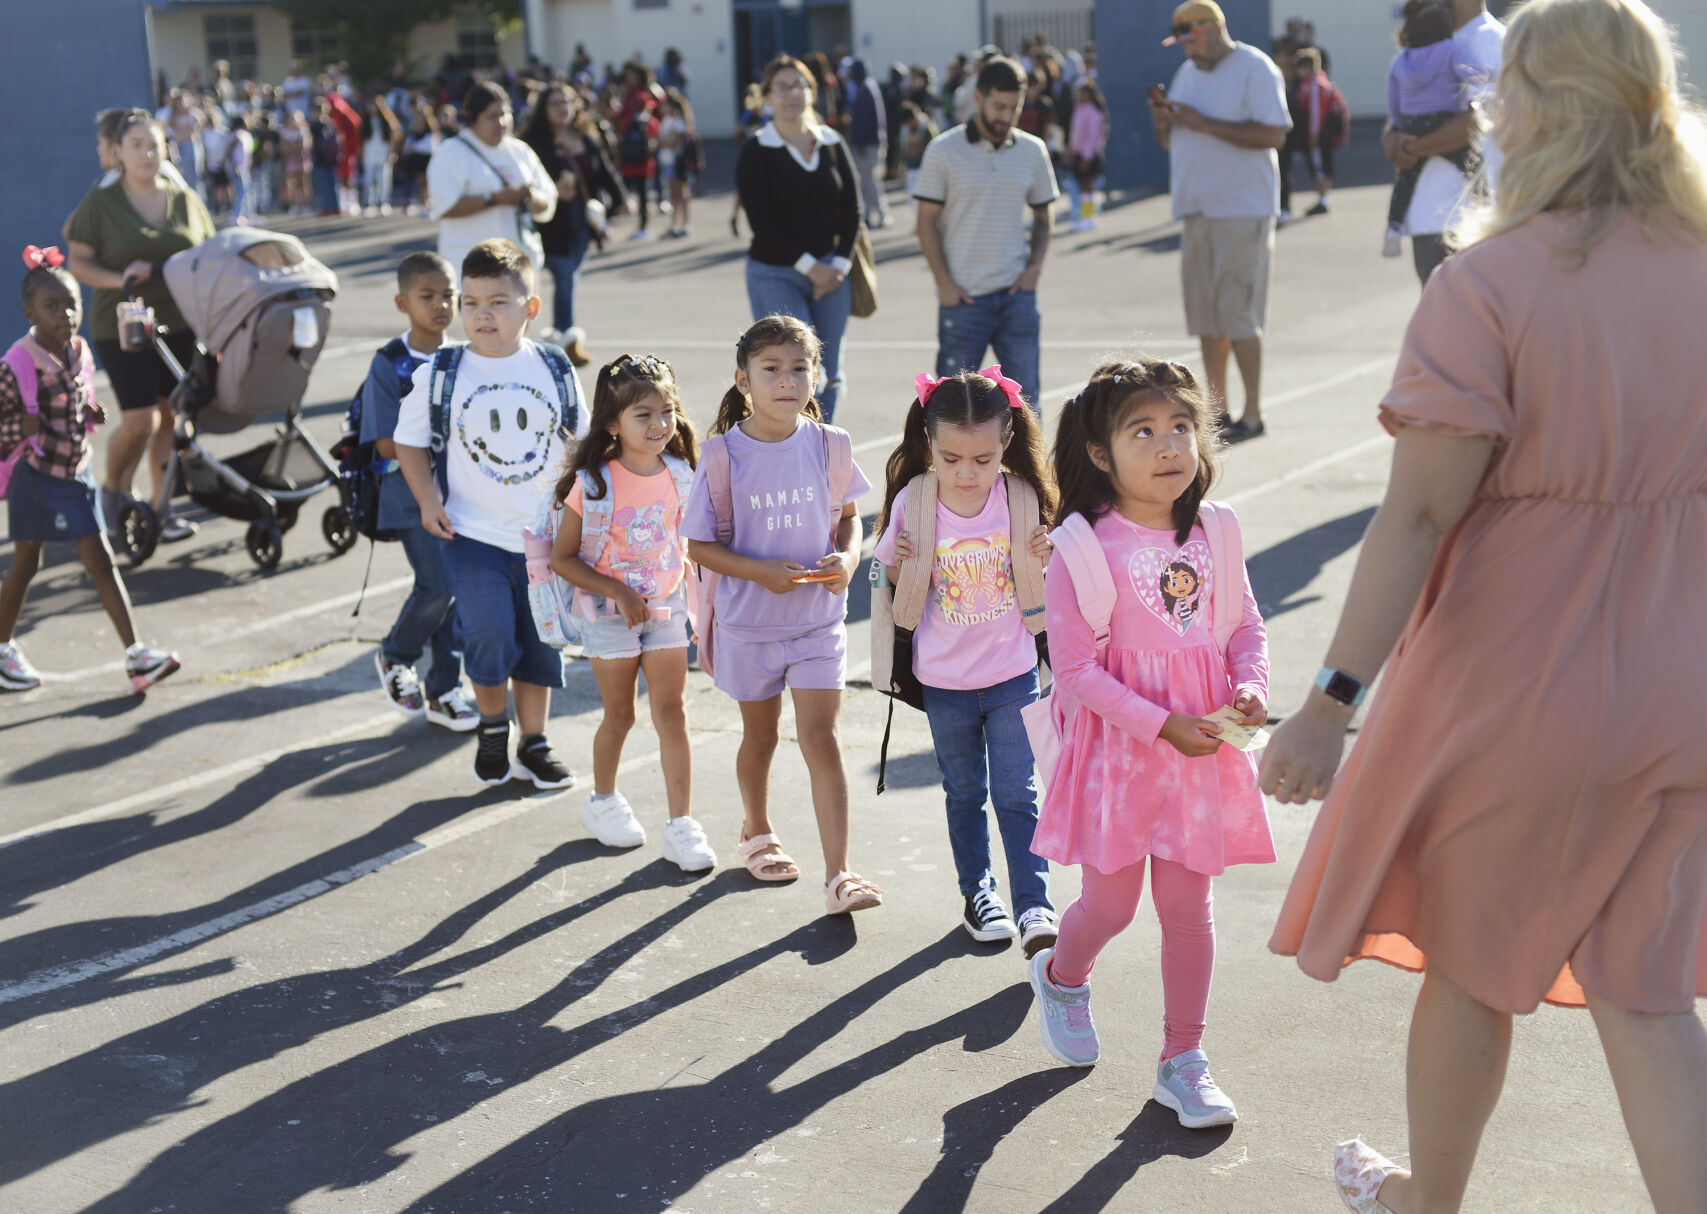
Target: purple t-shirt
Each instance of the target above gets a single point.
(782, 508)
(1426, 80)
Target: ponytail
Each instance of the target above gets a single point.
(768, 331)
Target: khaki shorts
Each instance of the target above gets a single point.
(1224, 269)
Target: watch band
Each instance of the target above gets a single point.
(1339, 686)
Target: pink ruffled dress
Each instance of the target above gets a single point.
(1121, 793)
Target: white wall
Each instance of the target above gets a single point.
(928, 32)
(179, 41)
(613, 30)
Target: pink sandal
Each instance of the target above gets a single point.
(1360, 1170)
(845, 893)
(757, 859)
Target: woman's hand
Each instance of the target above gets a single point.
(1251, 709)
(139, 271)
(1302, 758)
(1192, 736)
(510, 196)
(634, 610)
(777, 576)
(840, 564)
(825, 278)
(1041, 546)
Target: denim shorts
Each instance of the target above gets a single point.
(44, 508)
(493, 617)
(609, 637)
(757, 670)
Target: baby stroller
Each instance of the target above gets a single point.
(258, 302)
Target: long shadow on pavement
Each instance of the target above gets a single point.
(1153, 1134)
(157, 1070)
(1280, 572)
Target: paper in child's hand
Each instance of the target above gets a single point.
(1239, 737)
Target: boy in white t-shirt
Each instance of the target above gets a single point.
(479, 439)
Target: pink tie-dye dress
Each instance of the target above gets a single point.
(1121, 793)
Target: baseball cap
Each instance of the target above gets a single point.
(1193, 11)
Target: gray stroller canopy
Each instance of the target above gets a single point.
(220, 282)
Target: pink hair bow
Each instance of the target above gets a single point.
(37, 258)
(1009, 387)
(924, 385)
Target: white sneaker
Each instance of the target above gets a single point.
(453, 711)
(16, 673)
(145, 665)
(612, 822)
(686, 847)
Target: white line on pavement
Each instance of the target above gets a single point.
(250, 629)
(1310, 469)
(59, 976)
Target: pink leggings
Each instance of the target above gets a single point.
(1184, 906)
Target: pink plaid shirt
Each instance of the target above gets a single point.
(68, 411)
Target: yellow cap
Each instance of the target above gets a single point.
(1196, 10)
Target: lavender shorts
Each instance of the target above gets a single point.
(757, 670)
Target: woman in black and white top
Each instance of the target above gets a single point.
(486, 183)
(801, 194)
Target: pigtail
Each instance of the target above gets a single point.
(684, 443)
(1085, 488)
(731, 410)
(1027, 459)
(909, 459)
(619, 384)
(768, 331)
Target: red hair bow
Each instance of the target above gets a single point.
(1010, 388)
(37, 258)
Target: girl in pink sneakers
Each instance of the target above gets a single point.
(1152, 627)
(47, 411)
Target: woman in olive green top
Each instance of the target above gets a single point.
(127, 230)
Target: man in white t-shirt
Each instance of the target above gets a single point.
(1222, 120)
(1441, 190)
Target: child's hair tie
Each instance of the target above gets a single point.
(1010, 388)
(36, 258)
(924, 385)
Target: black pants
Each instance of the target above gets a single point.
(1405, 184)
(1428, 250)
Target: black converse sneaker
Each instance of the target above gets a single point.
(536, 762)
(986, 919)
(492, 756)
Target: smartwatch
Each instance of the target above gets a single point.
(1339, 686)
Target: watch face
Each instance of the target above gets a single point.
(1342, 687)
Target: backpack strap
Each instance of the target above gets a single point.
(1077, 544)
(23, 366)
(682, 473)
(913, 585)
(838, 459)
(596, 515)
(714, 460)
(1024, 514)
(562, 375)
(1227, 551)
(441, 385)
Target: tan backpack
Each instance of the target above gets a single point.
(897, 609)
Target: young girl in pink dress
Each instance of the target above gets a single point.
(1142, 775)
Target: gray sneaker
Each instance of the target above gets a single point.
(1068, 1033)
(1183, 1084)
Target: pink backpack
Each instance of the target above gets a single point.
(23, 364)
(1047, 719)
(714, 462)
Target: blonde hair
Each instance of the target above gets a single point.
(1589, 90)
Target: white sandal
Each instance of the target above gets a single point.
(1360, 1170)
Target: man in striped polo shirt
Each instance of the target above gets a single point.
(976, 184)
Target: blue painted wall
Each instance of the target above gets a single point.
(62, 62)
(1131, 57)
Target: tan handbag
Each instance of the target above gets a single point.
(862, 276)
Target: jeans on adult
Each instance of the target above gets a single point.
(326, 189)
(1007, 322)
(566, 274)
(783, 289)
(869, 160)
(1428, 250)
(983, 753)
(428, 616)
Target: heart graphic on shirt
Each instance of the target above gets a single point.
(1175, 584)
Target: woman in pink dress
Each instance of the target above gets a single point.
(1524, 815)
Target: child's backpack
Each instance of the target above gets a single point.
(555, 603)
(23, 366)
(714, 463)
(634, 145)
(441, 387)
(896, 610)
(361, 469)
(1049, 718)
(1336, 123)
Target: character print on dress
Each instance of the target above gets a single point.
(510, 442)
(973, 578)
(1174, 584)
(649, 548)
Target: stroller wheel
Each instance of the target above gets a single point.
(138, 531)
(286, 515)
(335, 526)
(265, 543)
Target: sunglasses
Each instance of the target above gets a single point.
(1184, 28)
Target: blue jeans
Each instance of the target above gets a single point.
(428, 615)
(785, 290)
(494, 619)
(1008, 323)
(325, 189)
(566, 276)
(982, 751)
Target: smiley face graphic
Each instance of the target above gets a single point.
(511, 436)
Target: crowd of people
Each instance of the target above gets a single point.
(603, 519)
